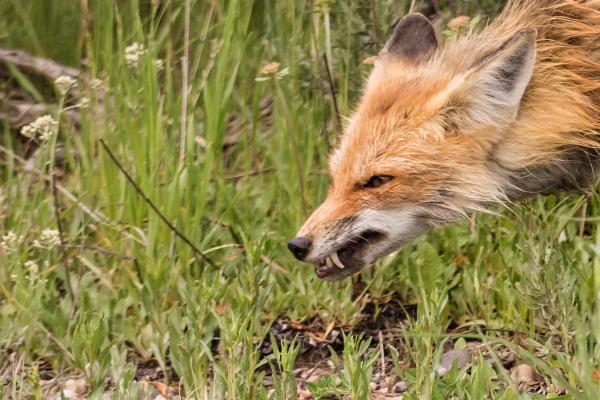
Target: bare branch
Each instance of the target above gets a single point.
(338, 118)
(147, 200)
(37, 65)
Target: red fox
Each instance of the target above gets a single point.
(445, 130)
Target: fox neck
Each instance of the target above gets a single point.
(573, 170)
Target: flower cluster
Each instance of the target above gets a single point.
(133, 54)
(44, 127)
(96, 83)
(10, 242)
(49, 239)
(64, 84)
(32, 266)
(84, 102)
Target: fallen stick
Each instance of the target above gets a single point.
(154, 208)
(38, 65)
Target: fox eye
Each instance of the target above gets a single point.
(376, 181)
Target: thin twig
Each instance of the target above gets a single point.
(249, 174)
(583, 217)
(38, 65)
(374, 15)
(382, 352)
(412, 6)
(146, 199)
(61, 237)
(338, 118)
(99, 249)
(274, 265)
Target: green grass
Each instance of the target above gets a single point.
(126, 291)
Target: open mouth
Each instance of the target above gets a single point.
(347, 259)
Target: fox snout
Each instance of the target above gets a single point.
(339, 244)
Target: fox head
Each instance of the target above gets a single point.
(417, 151)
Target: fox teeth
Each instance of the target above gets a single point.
(328, 262)
(336, 260)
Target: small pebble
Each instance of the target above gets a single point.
(523, 373)
(74, 388)
(330, 364)
(304, 395)
(460, 358)
(400, 387)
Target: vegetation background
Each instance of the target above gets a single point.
(222, 112)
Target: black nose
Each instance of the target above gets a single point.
(299, 246)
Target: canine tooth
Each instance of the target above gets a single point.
(328, 262)
(336, 260)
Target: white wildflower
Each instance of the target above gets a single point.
(159, 65)
(10, 241)
(32, 266)
(49, 239)
(84, 102)
(28, 131)
(44, 127)
(64, 84)
(133, 54)
(96, 83)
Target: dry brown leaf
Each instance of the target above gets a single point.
(162, 388)
(458, 22)
(460, 260)
(270, 68)
(221, 309)
(304, 395)
(297, 325)
(328, 329)
(370, 60)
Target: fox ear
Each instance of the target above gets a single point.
(492, 90)
(413, 39)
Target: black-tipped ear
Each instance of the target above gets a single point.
(506, 72)
(413, 39)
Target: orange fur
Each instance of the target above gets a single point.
(434, 126)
